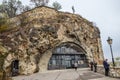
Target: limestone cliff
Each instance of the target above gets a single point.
(37, 32)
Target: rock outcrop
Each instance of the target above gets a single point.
(37, 32)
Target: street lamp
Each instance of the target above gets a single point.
(110, 43)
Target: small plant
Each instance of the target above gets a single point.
(3, 24)
(117, 61)
(57, 5)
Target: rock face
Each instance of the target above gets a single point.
(36, 33)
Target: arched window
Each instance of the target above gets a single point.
(65, 55)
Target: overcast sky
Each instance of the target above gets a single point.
(106, 15)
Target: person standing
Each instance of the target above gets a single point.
(106, 66)
(95, 66)
(91, 65)
(76, 65)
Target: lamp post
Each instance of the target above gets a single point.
(110, 43)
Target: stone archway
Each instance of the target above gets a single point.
(66, 54)
(79, 56)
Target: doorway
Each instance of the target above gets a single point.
(15, 67)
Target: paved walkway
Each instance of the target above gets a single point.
(69, 74)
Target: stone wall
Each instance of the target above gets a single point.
(4, 76)
(114, 72)
(37, 32)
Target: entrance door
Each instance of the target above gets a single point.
(15, 67)
(68, 64)
(68, 61)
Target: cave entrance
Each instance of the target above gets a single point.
(65, 55)
(15, 67)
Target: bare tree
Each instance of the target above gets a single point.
(39, 2)
(10, 7)
(57, 5)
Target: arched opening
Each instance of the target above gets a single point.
(65, 55)
(15, 67)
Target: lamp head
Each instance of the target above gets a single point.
(109, 40)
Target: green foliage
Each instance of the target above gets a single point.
(2, 21)
(117, 58)
(3, 24)
(3, 28)
(57, 5)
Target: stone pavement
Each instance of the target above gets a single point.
(68, 74)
